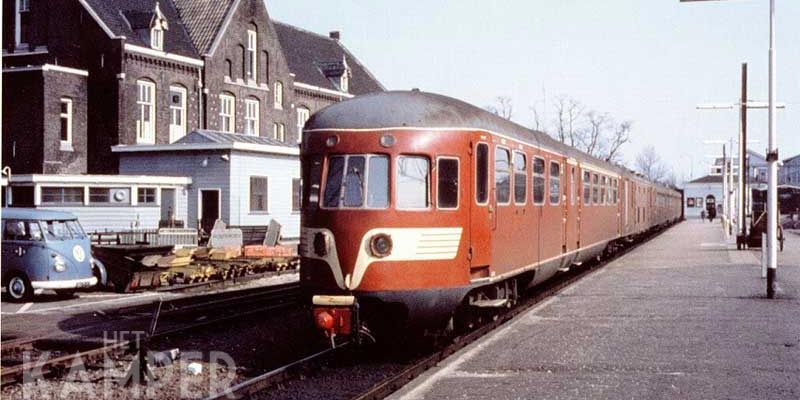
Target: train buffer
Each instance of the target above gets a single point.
(685, 315)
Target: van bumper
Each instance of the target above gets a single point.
(66, 284)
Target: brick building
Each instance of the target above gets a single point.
(81, 76)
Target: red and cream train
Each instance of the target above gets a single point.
(417, 205)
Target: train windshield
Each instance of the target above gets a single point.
(357, 181)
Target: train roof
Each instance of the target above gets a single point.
(35, 213)
(418, 109)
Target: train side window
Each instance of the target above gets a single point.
(538, 180)
(572, 186)
(502, 176)
(413, 181)
(595, 189)
(616, 191)
(587, 188)
(333, 182)
(447, 183)
(482, 173)
(520, 178)
(603, 186)
(555, 182)
(378, 182)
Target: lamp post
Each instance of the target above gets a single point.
(772, 160)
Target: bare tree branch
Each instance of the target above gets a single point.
(503, 108)
(622, 135)
(568, 112)
(649, 164)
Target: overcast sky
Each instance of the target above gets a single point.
(648, 61)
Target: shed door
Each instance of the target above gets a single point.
(209, 209)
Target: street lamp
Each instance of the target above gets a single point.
(772, 160)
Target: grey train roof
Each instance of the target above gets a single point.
(418, 109)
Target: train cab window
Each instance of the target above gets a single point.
(502, 176)
(353, 178)
(520, 178)
(555, 182)
(447, 183)
(538, 180)
(595, 189)
(413, 181)
(587, 188)
(311, 197)
(482, 173)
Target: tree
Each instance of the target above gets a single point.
(503, 108)
(568, 112)
(649, 164)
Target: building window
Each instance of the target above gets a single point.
(344, 82)
(258, 193)
(279, 95)
(66, 121)
(412, 187)
(105, 195)
(555, 182)
(252, 58)
(243, 51)
(296, 190)
(99, 195)
(279, 131)
(157, 38)
(302, 116)
(227, 113)
(21, 23)
(266, 67)
(228, 69)
(146, 120)
(447, 183)
(177, 110)
(146, 195)
(251, 110)
(520, 178)
(62, 195)
(538, 180)
(587, 188)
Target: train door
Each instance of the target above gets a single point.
(482, 219)
(504, 238)
(626, 204)
(571, 206)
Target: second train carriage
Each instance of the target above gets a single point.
(416, 205)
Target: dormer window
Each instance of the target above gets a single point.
(157, 27)
(344, 81)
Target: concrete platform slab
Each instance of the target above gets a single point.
(683, 316)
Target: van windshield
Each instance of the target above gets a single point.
(63, 230)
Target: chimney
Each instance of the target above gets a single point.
(335, 35)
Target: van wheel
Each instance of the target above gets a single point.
(19, 287)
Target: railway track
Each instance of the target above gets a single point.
(385, 387)
(176, 316)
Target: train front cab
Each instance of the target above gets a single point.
(385, 231)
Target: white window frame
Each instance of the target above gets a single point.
(251, 116)
(227, 113)
(177, 131)
(21, 7)
(250, 195)
(146, 132)
(458, 182)
(252, 51)
(278, 96)
(68, 116)
(303, 114)
(279, 131)
(344, 82)
(157, 37)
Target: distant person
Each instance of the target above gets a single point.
(703, 215)
(712, 213)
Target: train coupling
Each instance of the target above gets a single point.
(336, 315)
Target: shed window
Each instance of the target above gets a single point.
(66, 120)
(146, 195)
(447, 183)
(520, 178)
(62, 195)
(258, 193)
(555, 182)
(502, 176)
(587, 188)
(413, 182)
(538, 180)
(482, 173)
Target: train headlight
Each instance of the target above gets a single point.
(381, 245)
(59, 263)
(321, 244)
(331, 141)
(387, 140)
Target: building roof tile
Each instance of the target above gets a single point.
(203, 19)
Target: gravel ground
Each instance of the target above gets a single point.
(228, 354)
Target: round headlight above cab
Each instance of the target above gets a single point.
(331, 141)
(380, 245)
(387, 140)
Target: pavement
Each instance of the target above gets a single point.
(683, 316)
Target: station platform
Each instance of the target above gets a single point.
(683, 316)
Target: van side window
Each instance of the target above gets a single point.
(502, 176)
(520, 178)
(587, 188)
(482, 173)
(447, 183)
(15, 230)
(538, 180)
(555, 182)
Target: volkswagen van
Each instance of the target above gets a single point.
(44, 249)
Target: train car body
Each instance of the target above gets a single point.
(416, 205)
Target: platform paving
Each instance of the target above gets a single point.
(683, 316)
